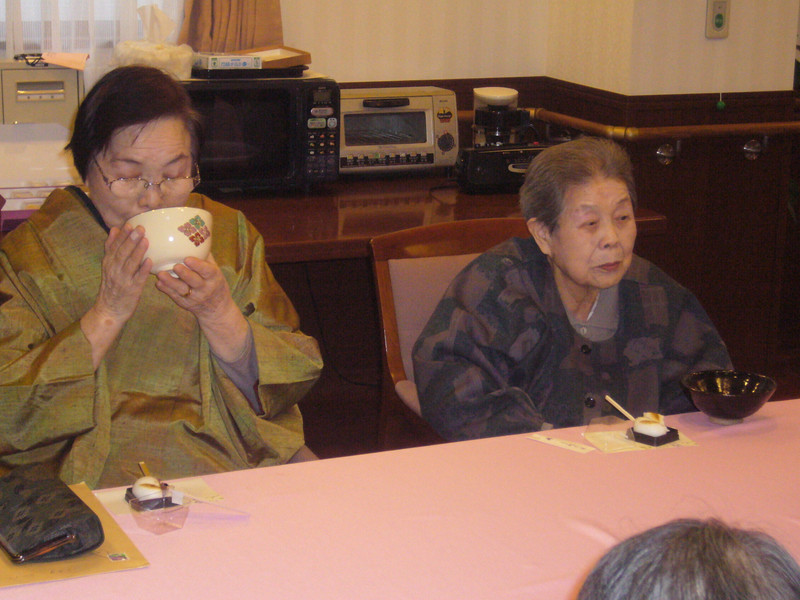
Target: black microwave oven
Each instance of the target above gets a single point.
(270, 134)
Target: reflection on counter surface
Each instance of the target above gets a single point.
(338, 220)
(372, 216)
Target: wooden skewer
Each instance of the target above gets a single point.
(613, 403)
(143, 468)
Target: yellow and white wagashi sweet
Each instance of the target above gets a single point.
(651, 424)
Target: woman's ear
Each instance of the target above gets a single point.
(541, 234)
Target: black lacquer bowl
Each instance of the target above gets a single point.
(727, 397)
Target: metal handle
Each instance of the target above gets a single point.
(666, 153)
(386, 102)
(753, 148)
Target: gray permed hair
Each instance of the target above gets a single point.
(559, 167)
(691, 559)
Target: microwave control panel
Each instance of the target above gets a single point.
(322, 133)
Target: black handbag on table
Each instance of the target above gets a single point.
(43, 519)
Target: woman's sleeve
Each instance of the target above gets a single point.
(289, 362)
(695, 345)
(473, 363)
(47, 384)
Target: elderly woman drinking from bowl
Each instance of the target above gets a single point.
(536, 332)
(103, 365)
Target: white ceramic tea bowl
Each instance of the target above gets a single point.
(174, 234)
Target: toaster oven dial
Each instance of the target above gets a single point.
(446, 142)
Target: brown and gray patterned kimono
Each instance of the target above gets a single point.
(499, 355)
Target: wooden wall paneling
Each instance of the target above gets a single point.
(789, 328)
(724, 217)
(701, 109)
(678, 192)
(335, 300)
(584, 102)
(748, 198)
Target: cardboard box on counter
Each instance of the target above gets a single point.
(278, 57)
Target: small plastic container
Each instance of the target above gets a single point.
(161, 514)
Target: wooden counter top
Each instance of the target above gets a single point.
(338, 220)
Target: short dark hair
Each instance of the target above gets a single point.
(125, 96)
(556, 169)
(695, 559)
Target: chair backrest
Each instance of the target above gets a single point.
(417, 286)
(414, 267)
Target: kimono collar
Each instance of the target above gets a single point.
(87, 202)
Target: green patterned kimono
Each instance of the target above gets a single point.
(158, 396)
(500, 356)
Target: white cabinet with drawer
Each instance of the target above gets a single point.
(39, 94)
(37, 106)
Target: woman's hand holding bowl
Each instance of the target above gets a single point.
(200, 287)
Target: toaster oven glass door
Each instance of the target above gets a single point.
(385, 128)
(391, 130)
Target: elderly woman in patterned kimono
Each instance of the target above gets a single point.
(103, 365)
(534, 333)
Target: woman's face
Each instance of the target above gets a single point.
(592, 246)
(154, 151)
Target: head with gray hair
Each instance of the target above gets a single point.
(691, 559)
(574, 163)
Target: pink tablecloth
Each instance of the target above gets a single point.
(497, 518)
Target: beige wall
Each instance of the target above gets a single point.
(627, 46)
(671, 53)
(369, 40)
(599, 51)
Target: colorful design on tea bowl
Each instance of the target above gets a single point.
(195, 229)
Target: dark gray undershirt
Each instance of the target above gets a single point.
(603, 319)
(243, 372)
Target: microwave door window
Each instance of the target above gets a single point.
(385, 129)
(246, 135)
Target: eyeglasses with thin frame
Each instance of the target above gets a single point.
(133, 187)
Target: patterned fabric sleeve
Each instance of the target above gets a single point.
(289, 362)
(694, 345)
(473, 361)
(46, 376)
